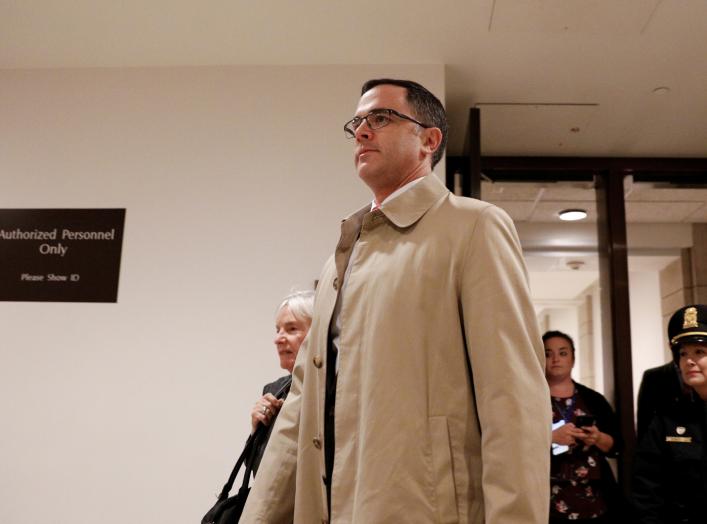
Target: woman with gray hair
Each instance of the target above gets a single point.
(292, 321)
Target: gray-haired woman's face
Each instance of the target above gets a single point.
(289, 334)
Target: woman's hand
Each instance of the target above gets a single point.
(594, 437)
(264, 410)
(591, 435)
(567, 434)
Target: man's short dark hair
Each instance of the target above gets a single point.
(559, 334)
(426, 108)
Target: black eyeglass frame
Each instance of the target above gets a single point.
(350, 131)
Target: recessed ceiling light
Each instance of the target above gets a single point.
(575, 264)
(571, 215)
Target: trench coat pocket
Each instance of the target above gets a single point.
(442, 470)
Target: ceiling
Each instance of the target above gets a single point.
(645, 202)
(552, 77)
(567, 263)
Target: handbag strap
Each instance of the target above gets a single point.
(249, 450)
(246, 452)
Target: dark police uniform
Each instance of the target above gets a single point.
(670, 465)
(670, 468)
(660, 391)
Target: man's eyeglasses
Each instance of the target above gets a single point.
(376, 119)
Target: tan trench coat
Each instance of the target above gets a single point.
(442, 408)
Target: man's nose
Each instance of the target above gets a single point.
(363, 132)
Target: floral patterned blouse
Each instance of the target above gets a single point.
(575, 476)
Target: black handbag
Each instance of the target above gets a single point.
(227, 510)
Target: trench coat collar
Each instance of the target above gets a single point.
(403, 211)
(410, 206)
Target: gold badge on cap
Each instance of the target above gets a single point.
(689, 319)
(680, 430)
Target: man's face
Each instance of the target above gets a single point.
(391, 156)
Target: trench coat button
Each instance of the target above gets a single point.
(336, 283)
(317, 442)
(317, 361)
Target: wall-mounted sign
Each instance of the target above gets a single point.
(60, 255)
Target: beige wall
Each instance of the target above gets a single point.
(586, 340)
(698, 263)
(684, 281)
(647, 334)
(234, 180)
(676, 290)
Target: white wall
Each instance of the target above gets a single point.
(598, 338)
(234, 180)
(648, 341)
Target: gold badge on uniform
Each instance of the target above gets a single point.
(689, 319)
(680, 430)
(685, 440)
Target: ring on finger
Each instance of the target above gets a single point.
(264, 410)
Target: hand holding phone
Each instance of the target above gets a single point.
(585, 421)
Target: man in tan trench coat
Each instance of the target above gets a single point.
(422, 375)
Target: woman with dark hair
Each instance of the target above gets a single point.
(670, 465)
(582, 485)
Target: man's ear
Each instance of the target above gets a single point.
(431, 139)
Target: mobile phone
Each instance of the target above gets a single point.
(584, 420)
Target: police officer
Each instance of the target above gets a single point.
(670, 466)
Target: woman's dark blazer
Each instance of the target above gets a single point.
(280, 388)
(607, 423)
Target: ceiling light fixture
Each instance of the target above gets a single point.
(570, 215)
(575, 265)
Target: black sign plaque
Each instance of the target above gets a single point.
(60, 255)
